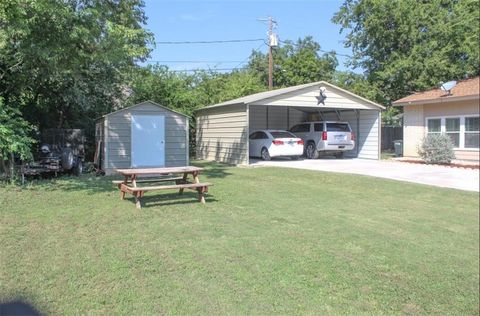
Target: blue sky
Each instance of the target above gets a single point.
(225, 20)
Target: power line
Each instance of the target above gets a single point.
(320, 50)
(213, 69)
(193, 61)
(246, 59)
(212, 42)
(237, 67)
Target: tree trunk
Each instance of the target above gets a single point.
(12, 168)
(3, 167)
(60, 118)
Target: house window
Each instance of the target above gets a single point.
(452, 128)
(434, 125)
(472, 132)
(464, 131)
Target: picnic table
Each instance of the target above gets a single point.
(157, 178)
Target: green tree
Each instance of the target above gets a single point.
(296, 63)
(409, 45)
(187, 92)
(63, 62)
(358, 84)
(15, 138)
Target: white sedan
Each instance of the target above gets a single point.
(275, 143)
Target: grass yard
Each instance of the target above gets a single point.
(268, 241)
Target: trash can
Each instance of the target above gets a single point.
(398, 145)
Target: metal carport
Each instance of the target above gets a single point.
(223, 129)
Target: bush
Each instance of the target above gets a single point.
(436, 148)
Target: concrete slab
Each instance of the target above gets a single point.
(441, 176)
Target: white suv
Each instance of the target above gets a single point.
(330, 137)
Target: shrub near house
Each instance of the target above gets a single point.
(436, 148)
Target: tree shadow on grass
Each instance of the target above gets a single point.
(18, 308)
(166, 199)
(91, 184)
(213, 169)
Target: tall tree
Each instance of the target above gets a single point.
(296, 63)
(15, 136)
(63, 61)
(410, 45)
(187, 92)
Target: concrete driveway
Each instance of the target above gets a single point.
(441, 176)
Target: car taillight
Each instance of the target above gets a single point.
(352, 137)
(277, 142)
(300, 142)
(324, 135)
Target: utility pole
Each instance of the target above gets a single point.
(272, 42)
(270, 53)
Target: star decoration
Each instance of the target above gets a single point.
(321, 98)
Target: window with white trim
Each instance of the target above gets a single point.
(452, 128)
(463, 130)
(472, 132)
(434, 126)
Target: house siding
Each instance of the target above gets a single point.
(413, 129)
(118, 137)
(414, 124)
(222, 134)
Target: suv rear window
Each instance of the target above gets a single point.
(300, 128)
(318, 127)
(338, 127)
(282, 135)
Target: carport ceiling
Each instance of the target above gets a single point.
(305, 98)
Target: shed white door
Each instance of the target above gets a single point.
(148, 141)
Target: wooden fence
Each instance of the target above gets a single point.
(389, 134)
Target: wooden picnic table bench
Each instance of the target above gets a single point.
(135, 176)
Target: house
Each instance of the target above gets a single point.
(143, 135)
(454, 112)
(223, 129)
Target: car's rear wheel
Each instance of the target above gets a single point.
(265, 154)
(311, 152)
(339, 155)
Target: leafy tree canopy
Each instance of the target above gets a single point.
(15, 135)
(187, 92)
(63, 61)
(296, 63)
(409, 45)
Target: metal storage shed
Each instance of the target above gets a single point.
(223, 129)
(143, 135)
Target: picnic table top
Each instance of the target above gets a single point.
(167, 170)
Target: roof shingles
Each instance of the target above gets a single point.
(464, 88)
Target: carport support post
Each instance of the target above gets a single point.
(267, 117)
(357, 114)
(288, 118)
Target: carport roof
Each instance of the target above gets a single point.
(255, 98)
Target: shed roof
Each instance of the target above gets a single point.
(465, 89)
(255, 98)
(148, 101)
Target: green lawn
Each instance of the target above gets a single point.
(268, 241)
